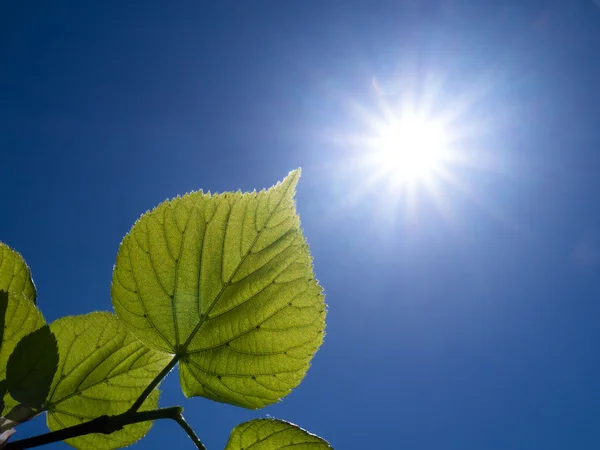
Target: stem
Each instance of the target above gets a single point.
(163, 373)
(110, 424)
(183, 424)
(102, 424)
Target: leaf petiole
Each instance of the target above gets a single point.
(183, 424)
(163, 373)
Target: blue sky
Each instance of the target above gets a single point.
(462, 315)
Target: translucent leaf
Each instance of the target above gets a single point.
(21, 318)
(226, 283)
(102, 370)
(31, 368)
(14, 273)
(273, 434)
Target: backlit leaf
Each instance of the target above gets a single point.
(21, 318)
(225, 282)
(273, 434)
(102, 370)
(31, 368)
(18, 317)
(14, 273)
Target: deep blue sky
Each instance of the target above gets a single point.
(467, 324)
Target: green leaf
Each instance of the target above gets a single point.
(102, 370)
(21, 318)
(18, 314)
(15, 276)
(31, 368)
(224, 282)
(273, 434)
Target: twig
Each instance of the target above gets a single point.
(102, 424)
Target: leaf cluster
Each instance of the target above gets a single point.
(220, 286)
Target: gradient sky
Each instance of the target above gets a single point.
(462, 316)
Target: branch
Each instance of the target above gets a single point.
(102, 424)
(181, 421)
(110, 424)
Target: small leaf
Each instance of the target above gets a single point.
(225, 282)
(21, 318)
(31, 368)
(15, 276)
(273, 434)
(102, 370)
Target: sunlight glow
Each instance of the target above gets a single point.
(410, 150)
(413, 149)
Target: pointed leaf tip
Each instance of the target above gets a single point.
(296, 173)
(15, 275)
(292, 178)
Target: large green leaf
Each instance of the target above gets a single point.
(273, 434)
(14, 273)
(102, 370)
(224, 282)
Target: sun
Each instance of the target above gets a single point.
(409, 157)
(409, 150)
(414, 150)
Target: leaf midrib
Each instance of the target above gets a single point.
(183, 351)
